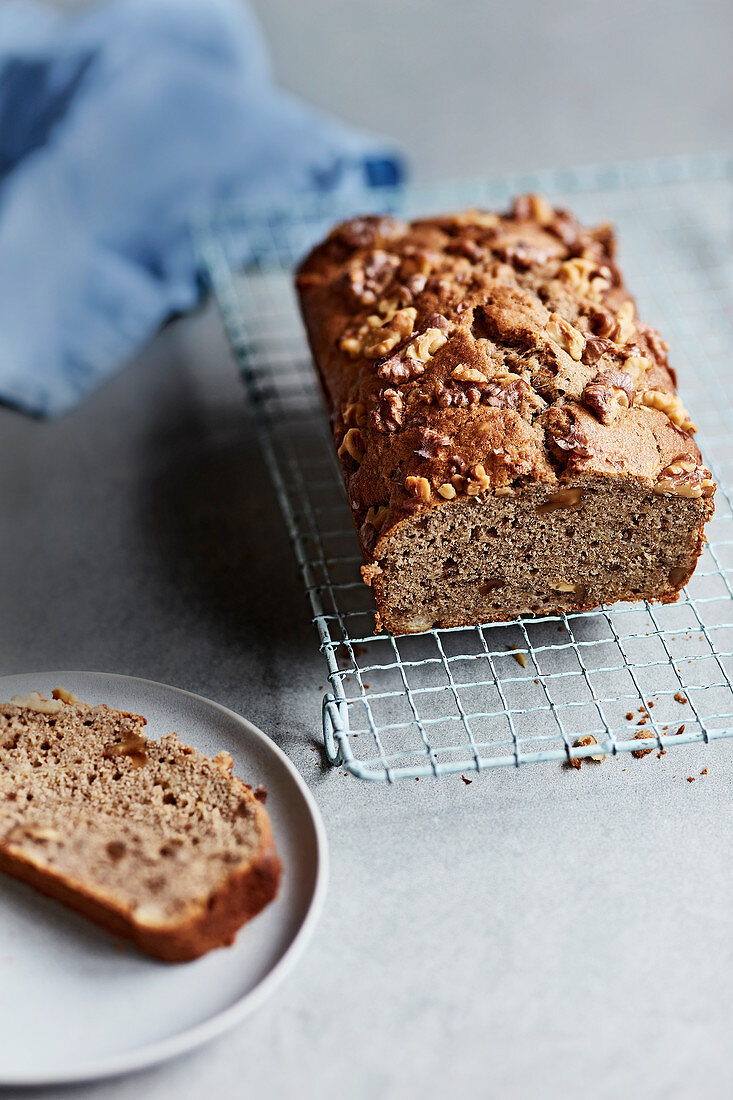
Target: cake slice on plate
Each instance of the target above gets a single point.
(150, 839)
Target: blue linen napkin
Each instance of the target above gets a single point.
(115, 126)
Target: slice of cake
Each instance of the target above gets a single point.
(150, 839)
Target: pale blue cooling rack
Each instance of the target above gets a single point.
(500, 695)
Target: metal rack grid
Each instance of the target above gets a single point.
(469, 699)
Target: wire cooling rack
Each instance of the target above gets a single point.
(500, 695)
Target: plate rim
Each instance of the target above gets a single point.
(191, 1038)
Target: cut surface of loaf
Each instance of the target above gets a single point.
(509, 430)
(150, 839)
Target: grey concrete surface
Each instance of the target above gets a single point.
(541, 933)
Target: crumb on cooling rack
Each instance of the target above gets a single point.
(680, 697)
(630, 716)
(582, 742)
(638, 753)
(679, 730)
(519, 657)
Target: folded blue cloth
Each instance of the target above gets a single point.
(115, 126)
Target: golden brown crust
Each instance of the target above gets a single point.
(478, 353)
(245, 893)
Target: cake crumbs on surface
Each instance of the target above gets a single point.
(638, 753)
(661, 753)
(691, 779)
(468, 782)
(630, 716)
(583, 743)
(679, 697)
(679, 730)
(704, 771)
(519, 657)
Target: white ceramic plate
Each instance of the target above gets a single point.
(74, 1006)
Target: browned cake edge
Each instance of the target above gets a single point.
(242, 896)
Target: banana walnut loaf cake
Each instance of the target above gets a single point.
(509, 431)
(150, 839)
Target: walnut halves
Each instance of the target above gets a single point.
(509, 431)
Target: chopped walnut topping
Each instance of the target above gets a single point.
(574, 441)
(509, 392)
(624, 330)
(375, 517)
(417, 262)
(365, 232)
(668, 403)
(396, 370)
(355, 415)
(608, 393)
(478, 481)
(636, 365)
(685, 478)
(483, 219)
(426, 344)
(563, 333)
(462, 373)
(465, 246)
(566, 229)
(657, 345)
(447, 490)
(523, 256)
(416, 284)
(382, 340)
(352, 445)
(418, 487)
(387, 414)
(387, 307)
(585, 277)
(602, 322)
(367, 281)
(431, 443)
(595, 348)
(372, 525)
(533, 208)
